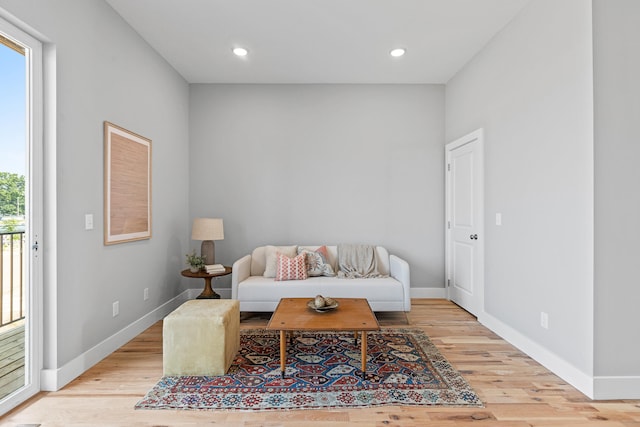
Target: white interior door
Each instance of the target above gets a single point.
(464, 228)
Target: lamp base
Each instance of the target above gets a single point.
(208, 251)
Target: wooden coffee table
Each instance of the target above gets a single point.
(352, 314)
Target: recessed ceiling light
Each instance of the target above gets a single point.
(398, 52)
(240, 51)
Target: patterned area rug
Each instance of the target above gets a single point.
(323, 371)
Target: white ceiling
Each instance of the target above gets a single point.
(317, 41)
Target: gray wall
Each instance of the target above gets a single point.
(530, 88)
(105, 71)
(322, 164)
(617, 147)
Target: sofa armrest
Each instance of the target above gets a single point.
(241, 270)
(399, 270)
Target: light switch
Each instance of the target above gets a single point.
(498, 219)
(88, 222)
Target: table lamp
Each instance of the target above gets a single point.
(207, 230)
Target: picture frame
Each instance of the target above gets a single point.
(127, 185)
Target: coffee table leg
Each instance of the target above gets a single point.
(283, 352)
(364, 353)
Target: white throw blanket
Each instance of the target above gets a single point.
(357, 261)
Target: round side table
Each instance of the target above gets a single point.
(208, 292)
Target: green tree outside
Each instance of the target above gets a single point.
(11, 194)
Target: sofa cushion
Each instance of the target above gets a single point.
(291, 268)
(258, 288)
(271, 260)
(317, 262)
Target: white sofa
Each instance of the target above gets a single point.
(258, 293)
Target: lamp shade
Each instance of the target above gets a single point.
(207, 229)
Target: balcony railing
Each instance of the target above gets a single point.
(12, 280)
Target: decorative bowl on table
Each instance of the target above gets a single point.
(322, 304)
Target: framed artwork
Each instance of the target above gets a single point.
(127, 185)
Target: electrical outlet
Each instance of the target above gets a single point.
(146, 294)
(116, 308)
(544, 320)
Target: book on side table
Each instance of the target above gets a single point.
(214, 268)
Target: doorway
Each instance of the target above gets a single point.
(20, 215)
(465, 221)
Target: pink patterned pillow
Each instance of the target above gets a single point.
(291, 268)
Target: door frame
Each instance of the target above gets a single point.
(476, 136)
(34, 199)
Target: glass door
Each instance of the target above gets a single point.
(20, 215)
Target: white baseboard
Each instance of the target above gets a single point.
(55, 379)
(578, 379)
(428, 293)
(614, 388)
(597, 387)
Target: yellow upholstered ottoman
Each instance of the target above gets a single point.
(201, 337)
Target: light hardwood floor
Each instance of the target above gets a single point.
(516, 390)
